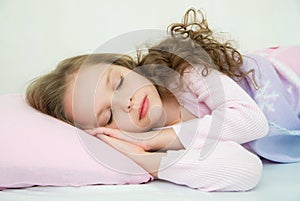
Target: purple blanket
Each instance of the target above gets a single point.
(278, 95)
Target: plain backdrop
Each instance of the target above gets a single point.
(36, 34)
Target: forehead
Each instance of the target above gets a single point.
(80, 93)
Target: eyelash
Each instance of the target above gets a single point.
(111, 114)
(120, 83)
(110, 118)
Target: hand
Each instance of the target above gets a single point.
(142, 140)
(150, 161)
(159, 140)
(122, 146)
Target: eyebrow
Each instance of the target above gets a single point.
(106, 76)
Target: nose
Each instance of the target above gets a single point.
(125, 104)
(130, 105)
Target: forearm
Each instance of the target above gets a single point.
(228, 167)
(157, 140)
(162, 140)
(150, 161)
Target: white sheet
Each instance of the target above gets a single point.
(279, 182)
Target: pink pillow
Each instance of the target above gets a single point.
(36, 149)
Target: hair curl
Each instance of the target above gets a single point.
(193, 42)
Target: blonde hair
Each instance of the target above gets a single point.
(46, 93)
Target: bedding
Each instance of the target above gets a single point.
(39, 150)
(278, 97)
(278, 182)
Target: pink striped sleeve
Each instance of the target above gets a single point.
(233, 115)
(229, 167)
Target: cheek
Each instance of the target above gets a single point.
(123, 121)
(156, 113)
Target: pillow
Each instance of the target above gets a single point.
(37, 149)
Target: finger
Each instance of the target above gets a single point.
(115, 143)
(121, 135)
(110, 131)
(91, 132)
(108, 140)
(102, 138)
(95, 131)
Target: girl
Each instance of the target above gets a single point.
(179, 111)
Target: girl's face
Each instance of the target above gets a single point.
(108, 95)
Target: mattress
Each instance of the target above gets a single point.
(278, 182)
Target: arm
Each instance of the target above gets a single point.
(150, 161)
(229, 167)
(226, 111)
(157, 140)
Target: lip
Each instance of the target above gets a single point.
(143, 109)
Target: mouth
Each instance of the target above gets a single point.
(143, 109)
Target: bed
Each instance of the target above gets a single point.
(279, 182)
(28, 148)
(35, 165)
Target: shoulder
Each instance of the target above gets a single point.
(198, 75)
(199, 72)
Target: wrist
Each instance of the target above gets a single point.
(164, 139)
(149, 161)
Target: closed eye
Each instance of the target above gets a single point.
(120, 83)
(110, 118)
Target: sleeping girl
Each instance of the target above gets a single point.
(191, 110)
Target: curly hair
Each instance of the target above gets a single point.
(193, 42)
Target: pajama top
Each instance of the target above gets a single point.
(231, 117)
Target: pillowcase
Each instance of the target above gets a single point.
(37, 149)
